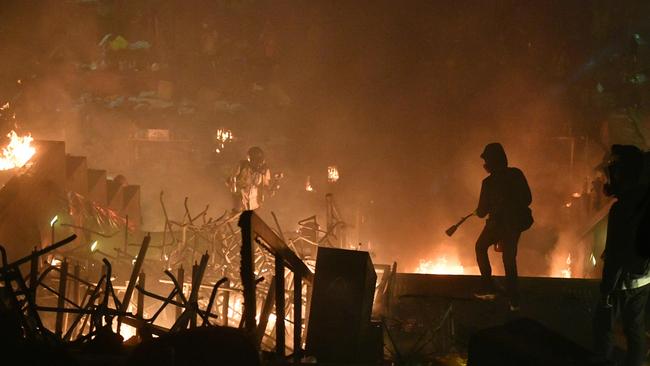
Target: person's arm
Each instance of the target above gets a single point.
(613, 267)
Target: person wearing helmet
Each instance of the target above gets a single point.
(249, 180)
(625, 283)
(504, 199)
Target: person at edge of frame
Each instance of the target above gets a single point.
(625, 282)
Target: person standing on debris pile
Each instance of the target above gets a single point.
(249, 181)
(505, 197)
(625, 283)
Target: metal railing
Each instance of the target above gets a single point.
(254, 230)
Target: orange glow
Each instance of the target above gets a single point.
(566, 273)
(441, 265)
(18, 152)
(223, 136)
(308, 186)
(332, 174)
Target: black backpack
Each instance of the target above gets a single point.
(638, 262)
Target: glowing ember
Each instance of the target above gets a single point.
(126, 331)
(18, 152)
(332, 174)
(308, 186)
(440, 266)
(576, 195)
(5, 106)
(223, 136)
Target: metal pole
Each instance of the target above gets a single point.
(126, 235)
(195, 271)
(139, 261)
(76, 284)
(279, 306)
(297, 317)
(181, 278)
(140, 309)
(63, 279)
(247, 272)
(225, 306)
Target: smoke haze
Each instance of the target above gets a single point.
(400, 96)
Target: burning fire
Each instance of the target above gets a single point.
(440, 266)
(223, 136)
(18, 152)
(566, 273)
(308, 186)
(332, 174)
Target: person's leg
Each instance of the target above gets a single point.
(633, 314)
(604, 319)
(483, 243)
(510, 242)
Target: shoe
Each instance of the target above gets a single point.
(485, 295)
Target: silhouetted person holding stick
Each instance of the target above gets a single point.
(625, 284)
(505, 197)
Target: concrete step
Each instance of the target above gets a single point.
(97, 186)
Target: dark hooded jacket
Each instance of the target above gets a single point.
(626, 255)
(505, 194)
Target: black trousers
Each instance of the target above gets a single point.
(629, 306)
(508, 241)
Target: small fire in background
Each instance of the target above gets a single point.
(308, 186)
(441, 265)
(566, 273)
(332, 174)
(18, 152)
(561, 264)
(222, 137)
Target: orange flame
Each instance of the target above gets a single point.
(18, 152)
(308, 186)
(332, 174)
(222, 137)
(566, 273)
(440, 266)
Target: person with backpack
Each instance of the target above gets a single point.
(504, 199)
(625, 282)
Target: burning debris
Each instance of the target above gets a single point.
(222, 137)
(18, 152)
(566, 272)
(441, 265)
(308, 186)
(332, 174)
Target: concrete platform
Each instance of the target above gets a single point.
(420, 302)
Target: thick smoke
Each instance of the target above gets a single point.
(401, 97)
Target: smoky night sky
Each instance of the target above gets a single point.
(401, 95)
